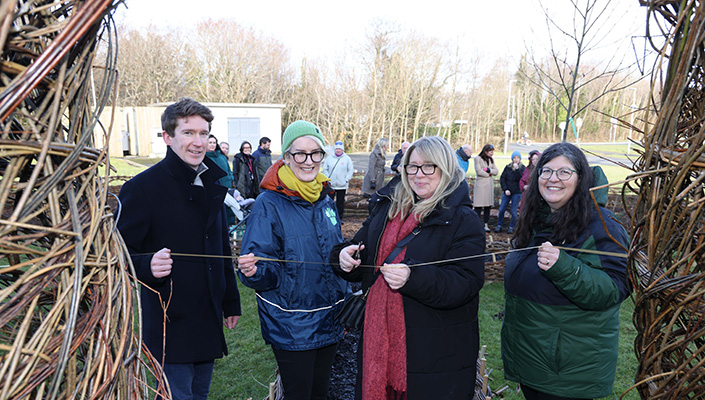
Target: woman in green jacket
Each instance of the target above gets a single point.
(216, 154)
(561, 324)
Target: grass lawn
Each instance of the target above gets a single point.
(124, 167)
(249, 368)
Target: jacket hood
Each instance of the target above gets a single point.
(271, 181)
(600, 179)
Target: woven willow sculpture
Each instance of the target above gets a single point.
(668, 241)
(67, 299)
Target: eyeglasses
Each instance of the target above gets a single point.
(426, 169)
(562, 174)
(300, 158)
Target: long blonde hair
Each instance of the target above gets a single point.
(435, 150)
(382, 144)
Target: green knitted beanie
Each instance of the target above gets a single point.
(300, 128)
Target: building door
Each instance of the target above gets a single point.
(241, 129)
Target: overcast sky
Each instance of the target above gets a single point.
(318, 29)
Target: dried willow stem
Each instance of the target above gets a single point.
(668, 236)
(68, 311)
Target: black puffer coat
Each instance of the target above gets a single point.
(440, 300)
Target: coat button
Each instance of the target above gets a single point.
(206, 237)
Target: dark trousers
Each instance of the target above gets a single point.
(486, 211)
(339, 197)
(305, 374)
(532, 394)
(189, 381)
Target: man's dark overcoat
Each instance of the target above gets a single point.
(161, 207)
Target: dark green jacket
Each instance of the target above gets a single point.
(561, 327)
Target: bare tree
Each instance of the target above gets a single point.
(565, 73)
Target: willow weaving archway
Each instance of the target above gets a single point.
(668, 241)
(67, 299)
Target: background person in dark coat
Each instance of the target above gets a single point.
(263, 156)
(511, 191)
(420, 327)
(245, 172)
(177, 205)
(396, 162)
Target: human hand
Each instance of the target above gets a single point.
(161, 263)
(396, 275)
(508, 192)
(231, 321)
(487, 169)
(347, 259)
(246, 264)
(547, 255)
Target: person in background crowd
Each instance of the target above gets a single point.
(483, 193)
(245, 172)
(339, 169)
(294, 219)
(396, 162)
(511, 192)
(225, 149)
(560, 333)
(464, 153)
(374, 178)
(534, 156)
(421, 336)
(221, 160)
(177, 205)
(263, 156)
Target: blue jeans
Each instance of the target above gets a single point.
(515, 199)
(189, 381)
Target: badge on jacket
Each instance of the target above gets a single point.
(331, 214)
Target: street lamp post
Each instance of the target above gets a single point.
(507, 122)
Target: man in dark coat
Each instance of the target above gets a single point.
(177, 206)
(396, 167)
(263, 156)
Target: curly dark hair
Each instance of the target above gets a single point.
(570, 220)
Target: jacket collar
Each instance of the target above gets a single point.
(177, 168)
(459, 197)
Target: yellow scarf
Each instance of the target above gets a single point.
(309, 191)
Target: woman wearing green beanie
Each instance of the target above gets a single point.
(295, 222)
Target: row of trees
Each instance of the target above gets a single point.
(399, 85)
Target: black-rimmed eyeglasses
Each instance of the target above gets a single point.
(426, 169)
(562, 174)
(300, 157)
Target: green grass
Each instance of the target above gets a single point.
(249, 368)
(123, 167)
(492, 302)
(246, 372)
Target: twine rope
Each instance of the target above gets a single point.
(493, 255)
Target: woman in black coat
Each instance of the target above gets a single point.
(245, 172)
(420, 326)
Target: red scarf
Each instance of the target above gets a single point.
(384, 343)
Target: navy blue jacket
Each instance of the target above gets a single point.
(162, 208)
(297, 300)
(509, 180)
(440, 300)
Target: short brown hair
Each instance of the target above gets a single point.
(184, 108)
